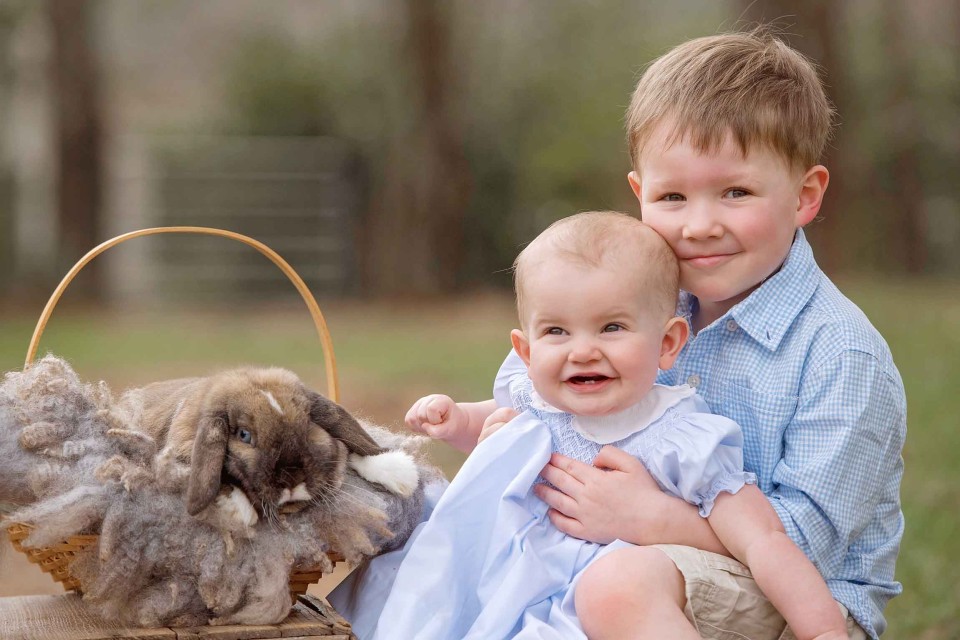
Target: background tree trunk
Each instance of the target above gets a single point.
(414, 233)
(902, 183)
(78, 137)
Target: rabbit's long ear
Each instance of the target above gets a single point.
(341, 425)
(206, 462)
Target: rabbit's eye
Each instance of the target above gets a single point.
(244, 436)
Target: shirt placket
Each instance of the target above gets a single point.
(699, 362)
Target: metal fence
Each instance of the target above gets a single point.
(299, 196)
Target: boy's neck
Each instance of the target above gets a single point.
(706, 313)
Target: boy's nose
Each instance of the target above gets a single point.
(700, 224)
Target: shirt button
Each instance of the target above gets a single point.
(694, 381)
(731, 325)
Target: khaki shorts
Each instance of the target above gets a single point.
(725, 603)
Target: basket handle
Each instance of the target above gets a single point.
(333, 388)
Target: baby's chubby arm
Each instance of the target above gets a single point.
(460, 424)
(749, 527)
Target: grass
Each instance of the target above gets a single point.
(389, 355)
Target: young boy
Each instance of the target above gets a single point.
(725, 135)
(596, 299)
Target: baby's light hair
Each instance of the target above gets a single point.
(752, 85)
(606, 238)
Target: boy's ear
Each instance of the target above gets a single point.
(812, 188)
(634, 179)
(674, 337)
(521, 345)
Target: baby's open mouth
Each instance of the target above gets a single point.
(587, 380)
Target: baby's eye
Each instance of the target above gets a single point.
(673, 197)
(736, 193)
(554, 331)
(613, 326)
(244, 436)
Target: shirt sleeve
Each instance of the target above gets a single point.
(512, 366)
(841, 452)
(698, 458)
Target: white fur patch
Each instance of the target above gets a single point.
(299, 494)
(273, 401)
(237, 507)
(395, 470)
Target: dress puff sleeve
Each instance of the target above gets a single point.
(698, 457)
(512, 367)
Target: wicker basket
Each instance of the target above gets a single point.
(55, 560)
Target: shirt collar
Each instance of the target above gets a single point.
(767, 314)
(617, 426)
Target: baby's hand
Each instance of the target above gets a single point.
(495, 421)
(438, 416)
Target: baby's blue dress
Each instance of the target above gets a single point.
(489, 564)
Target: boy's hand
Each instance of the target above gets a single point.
(495, 421)
(614, 498)
(438, 416)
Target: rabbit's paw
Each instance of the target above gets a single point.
(394, 470)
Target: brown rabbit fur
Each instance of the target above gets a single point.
(258, 429)
(78, 461)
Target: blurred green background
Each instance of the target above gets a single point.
(397, 154)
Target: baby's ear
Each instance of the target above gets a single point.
(521, 345)
(674, 337)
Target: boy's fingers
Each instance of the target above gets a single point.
(614, 459)
(572, 467)
(562, 480)
(556, 500)
(566, 524)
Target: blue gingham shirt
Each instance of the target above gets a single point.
(823, 413)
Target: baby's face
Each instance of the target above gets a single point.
(730, 219)
(592, 347)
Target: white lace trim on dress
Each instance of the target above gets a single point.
(617, 426)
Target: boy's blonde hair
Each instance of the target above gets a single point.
(606, 238)
(749, 84)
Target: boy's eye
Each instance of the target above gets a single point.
(673, 197)
(736, 193)
(554, 331)
(613, 326)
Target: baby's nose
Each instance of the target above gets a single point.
(584, 350)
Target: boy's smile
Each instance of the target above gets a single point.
(729, 218)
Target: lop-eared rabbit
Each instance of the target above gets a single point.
(261, 432)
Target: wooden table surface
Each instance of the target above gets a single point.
(67, 617)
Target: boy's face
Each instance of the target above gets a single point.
(591, 346)
(730, 219)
